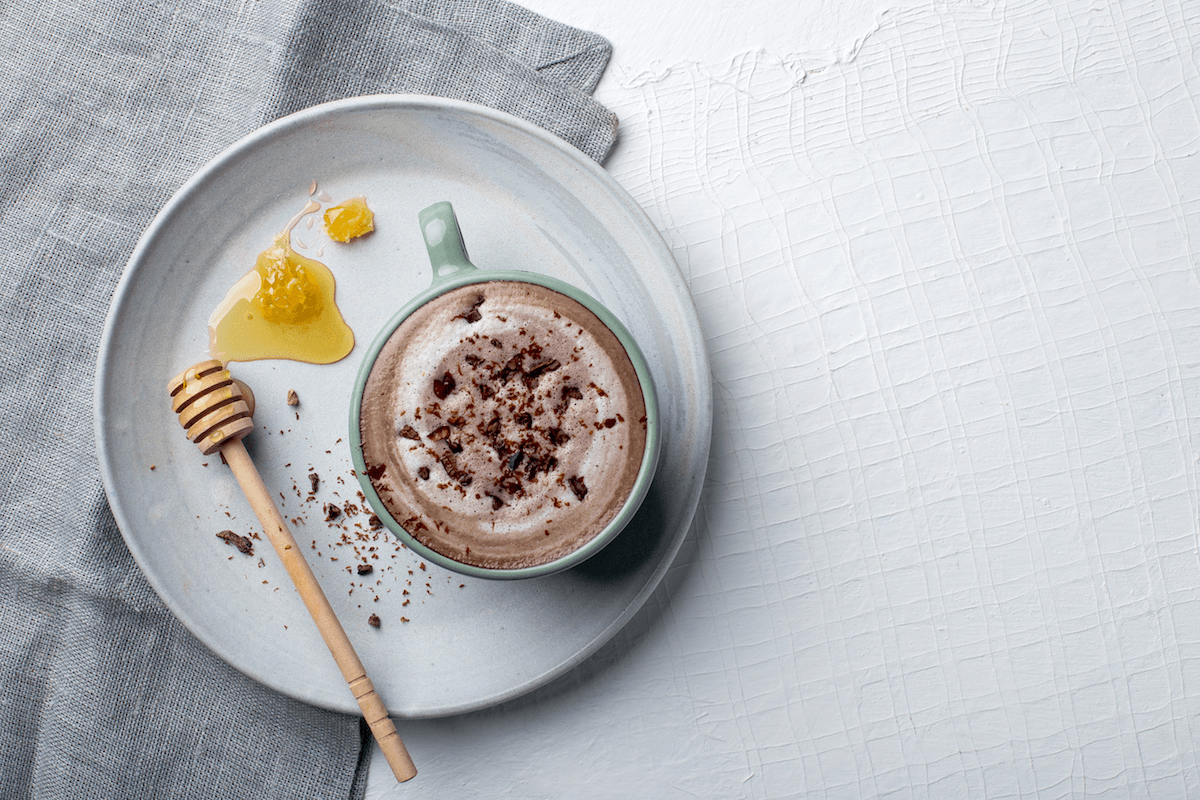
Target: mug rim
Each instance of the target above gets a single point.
(646, 469)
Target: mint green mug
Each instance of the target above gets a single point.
(453, 270)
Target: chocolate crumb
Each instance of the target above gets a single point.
(242, 543)
(472, 314)
(444, 386)
(578, 486)
(373, 620)
(541, 367)
(512, 367)
(293, 398)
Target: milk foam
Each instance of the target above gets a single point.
(521, 408)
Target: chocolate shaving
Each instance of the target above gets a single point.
(485, 391)
(557, 436)
(511, 367)
(536, 465)
(542, 367)
(315, 480)
(375, 522)
(409, 432)
(608, 423)
(365, 569)
(451, 466)
(440, 433)
(373, 620)
(423, 472)
(455, 445)
(375, 472)
(571, 393)
(497, 503)
(444, 386)
(578, 486)
(472, 314)
(524, 419)
(242, 543)
(293, 398)
(493, 426)
(473, 359)
(457, 421)
(332, 512)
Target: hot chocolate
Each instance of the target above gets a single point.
(503, 424)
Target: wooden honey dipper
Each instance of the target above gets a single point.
(216, 414)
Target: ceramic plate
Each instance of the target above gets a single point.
(525, 200)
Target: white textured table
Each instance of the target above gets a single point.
(945, 258)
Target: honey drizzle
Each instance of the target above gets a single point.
(283, 308)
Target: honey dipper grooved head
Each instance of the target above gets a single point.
(211, 405)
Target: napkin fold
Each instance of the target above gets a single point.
(108, 107)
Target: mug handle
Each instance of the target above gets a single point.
(443, 240)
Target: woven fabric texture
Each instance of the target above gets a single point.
(108, 107)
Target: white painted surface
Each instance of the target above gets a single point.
(944, 256)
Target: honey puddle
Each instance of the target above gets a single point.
(283, 308)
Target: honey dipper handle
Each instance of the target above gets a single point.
(314, 598)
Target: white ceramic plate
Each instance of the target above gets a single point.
(526, 201)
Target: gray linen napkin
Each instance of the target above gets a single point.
(108, 106)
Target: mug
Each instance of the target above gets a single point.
(453, 270)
